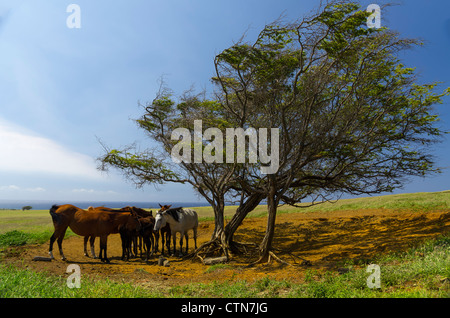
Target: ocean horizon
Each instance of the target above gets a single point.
(47, 204)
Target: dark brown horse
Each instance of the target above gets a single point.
(137, 239)
(99, 222)
(146, 232)
(131, 233)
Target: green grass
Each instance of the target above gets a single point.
(19, 238)
(25, 227)
(422, 271)
(17, 283)
(28, 221)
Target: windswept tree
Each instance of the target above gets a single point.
(351, 119)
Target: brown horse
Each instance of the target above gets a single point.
(138, 211)
(99, 222)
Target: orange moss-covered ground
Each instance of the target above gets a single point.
(326, 239)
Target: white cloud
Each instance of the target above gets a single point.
(92, 191)
(17, 188)
(10, 188)
(37, 189)
(25, 152)
(83, 190)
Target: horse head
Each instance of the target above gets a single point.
(160, 221)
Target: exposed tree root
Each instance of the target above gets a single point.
(216, 249)
(209, 249)
(271, 255)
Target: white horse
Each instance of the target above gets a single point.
(180, 220)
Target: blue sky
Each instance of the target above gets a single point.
(61, 88)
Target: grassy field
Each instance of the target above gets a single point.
(35, 221)
(402, 275)
(422, 271)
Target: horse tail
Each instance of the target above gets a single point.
(55, 216)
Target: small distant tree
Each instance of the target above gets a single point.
(27, 207)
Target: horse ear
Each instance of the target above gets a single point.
(169, 206)
(160, 205)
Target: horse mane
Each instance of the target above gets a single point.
(174, 213)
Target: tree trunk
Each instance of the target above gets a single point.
(272, 204)
(245, 208)
(222, 237)
(219, 221)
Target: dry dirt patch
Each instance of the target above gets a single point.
(324, 239)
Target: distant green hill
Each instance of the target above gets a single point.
(40, 220)
(421, 201)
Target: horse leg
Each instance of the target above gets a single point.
(92, 241)
(103, 247)
(181, 244)
(156, 233)
(50, 248)
(124, 245)
(187, 241)
(131, 244)
(163, 241)
(168, 242)
(60, 239)
(148, 241)
(141, 245)
(195, 237)
(144, 248)
(152, 242)
(174, 239)
(60, 231)
(135, 245)
(86, 238)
